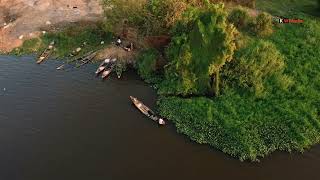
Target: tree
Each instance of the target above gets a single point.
(263, 25)
(202, 44)
(257, 64)
(239, 17)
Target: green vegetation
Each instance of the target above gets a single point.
(270, 91)
(287, 7)
(255, 66)
(146, 64)
(29, 46)
(202, 44)
(246, 126)
(239, 17)
(262, 26)
(66, 41)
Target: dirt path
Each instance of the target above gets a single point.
(24, 19)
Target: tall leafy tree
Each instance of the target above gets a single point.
(202, 45)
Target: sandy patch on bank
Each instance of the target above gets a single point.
(25, 19)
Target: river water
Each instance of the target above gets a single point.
(70, 125)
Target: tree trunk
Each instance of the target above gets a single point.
(216, 83)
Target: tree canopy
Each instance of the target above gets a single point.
(202, 43)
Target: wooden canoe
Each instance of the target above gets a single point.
(86, 59)
(104, 65)
(106, 73)
(46, 53)
(100, 69)
(147, 111)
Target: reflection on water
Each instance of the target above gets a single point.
(71, 125)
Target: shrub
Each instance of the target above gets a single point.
(28, 47)
(263, 25)
(239, 17)
(152, 17)
(256, 64)
(146, 64)
(121, 13)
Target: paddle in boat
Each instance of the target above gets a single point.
(147, 111)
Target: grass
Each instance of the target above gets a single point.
(287, 7)
(67, 41)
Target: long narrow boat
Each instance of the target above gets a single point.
(147, 111)
(102, 66)
(107, 72)
(46, 53)
(86, 59)
(100, 69)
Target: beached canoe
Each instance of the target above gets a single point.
(106, 73)
(86, 59)
(100, 69)
(46, 53)
(104, 65)
(147, 111)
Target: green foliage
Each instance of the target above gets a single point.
(202, 43)
(119, 13)
(239, 17)
(287, 7)
(152, 17)
(257, 64)
(146, 64)
(246, 127)
(73, 37)
(28, 47)
(263, 25)
(66, 41)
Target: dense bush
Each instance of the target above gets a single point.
(152, 17)
(263, 25)
(239, 17)
(120, 13)
(146, 64)
(256, 65)
(201, 45)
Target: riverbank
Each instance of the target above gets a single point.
(253, 120)
(259, 93)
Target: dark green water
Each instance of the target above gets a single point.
(69, 125)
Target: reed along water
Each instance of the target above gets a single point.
(71, 125)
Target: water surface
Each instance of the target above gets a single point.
(70, 125)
